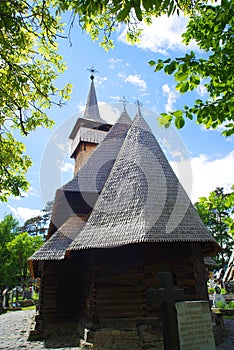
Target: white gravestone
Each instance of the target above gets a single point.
(195, 325)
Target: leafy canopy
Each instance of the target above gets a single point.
(9, 228)
(38, 225)
(15, 248)
(29, 66)
(212, 29)
(101, 18)
(21, 248)
(216, 211)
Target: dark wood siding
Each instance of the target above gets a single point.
(121, 277)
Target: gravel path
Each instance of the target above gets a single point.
(228, 344)
(15, 326)
(14, 330)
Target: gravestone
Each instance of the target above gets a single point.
(166, 294)
(195, 326)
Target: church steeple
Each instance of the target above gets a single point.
(89, 130)
(92, 110)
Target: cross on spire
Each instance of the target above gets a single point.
(139, 105)
(92, 71)
(124, 102)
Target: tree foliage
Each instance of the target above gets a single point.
(101, 18)
(212, 29)
(29, 66)
(38, 225)
(15, 248)
(9, 228)
(216, 211)
(21, 248)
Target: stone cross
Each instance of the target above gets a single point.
(166, 294)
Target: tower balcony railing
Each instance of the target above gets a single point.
(87, 135)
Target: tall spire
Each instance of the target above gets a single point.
(92, 110)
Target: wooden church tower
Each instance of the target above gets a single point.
(88, 131)
(123, 218)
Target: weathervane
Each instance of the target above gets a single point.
(92, 71)
(125, 102)
(139, 104)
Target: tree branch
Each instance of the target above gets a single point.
(21, 122)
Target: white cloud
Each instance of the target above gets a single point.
(136, 80)
(163, 34)
(100, 80)
(113, 62)
(67, 167)
(208, 174)
(24, 214)
(109, 112)
(201, 90)
(171, 97)
(81, 107)
(115, 98)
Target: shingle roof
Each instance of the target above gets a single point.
(142, 200)
(91, 112)
(83, 190)
(55, 247)
(93, 174)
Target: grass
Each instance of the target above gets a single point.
(33, 307)
(229, 317)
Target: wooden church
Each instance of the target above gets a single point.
(123, 218)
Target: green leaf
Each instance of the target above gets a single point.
(179, 122)
(152, 63)
(178, 113)
(147, 4)
(170, 68)
(165, 120)
(138, 13)
(159, 67)
(123, 13)
(165, 4)
(183, 87)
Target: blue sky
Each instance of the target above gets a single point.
(202, 159)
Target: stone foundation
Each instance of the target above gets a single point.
(142, 336)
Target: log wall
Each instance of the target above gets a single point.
(108, 287)
(63, 291)
(123, 275)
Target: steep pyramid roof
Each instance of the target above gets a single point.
(92, 110)
(83, 190)
(142, 200)
(91, 116)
